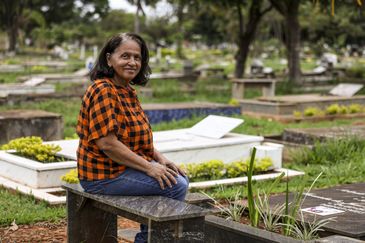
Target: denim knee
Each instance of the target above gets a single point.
(180, 189)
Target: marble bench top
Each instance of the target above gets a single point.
(156, 208)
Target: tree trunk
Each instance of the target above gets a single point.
(293, 42)
(180, 34)
(136, 22)
(12, 36)
(246, 37)
(242, 54)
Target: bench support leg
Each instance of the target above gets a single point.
(87, 223)
(178, 231)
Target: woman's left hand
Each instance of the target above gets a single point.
(173, 166)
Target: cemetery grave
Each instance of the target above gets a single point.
(207, 140)
(346, 203)
(21, 123)
(283, 108)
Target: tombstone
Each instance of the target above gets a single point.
(95, 52)
(158, 55)
(188, 68)
(82, 52)
(346, 90)
(319, 70)
(21, 123)
(329, 60)
(215, 126)
(346, 203)
(257, 66)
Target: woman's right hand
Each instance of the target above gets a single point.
(162, 174)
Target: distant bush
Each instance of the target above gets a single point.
(33, 148)
(216, 169)
(333, 109)
(355, 108)
(71, 177)
(357, 71)
(312, 111)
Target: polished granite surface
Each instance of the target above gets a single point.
(345, 204)
(157, 208)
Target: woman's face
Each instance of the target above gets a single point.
(126, 60)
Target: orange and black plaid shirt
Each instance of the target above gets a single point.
(107, 108)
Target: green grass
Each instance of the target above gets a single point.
(342, 162)
(26, 210)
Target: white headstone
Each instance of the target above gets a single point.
(215, 126)
(346, 90)
(82, 52)
(95, 52)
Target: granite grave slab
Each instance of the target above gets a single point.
(345, 203)
(309, 135)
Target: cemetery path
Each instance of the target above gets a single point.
(49, 232)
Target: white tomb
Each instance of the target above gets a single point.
(180, 146)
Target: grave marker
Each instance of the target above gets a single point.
(346, 203)
(346, 90)
(215, 126)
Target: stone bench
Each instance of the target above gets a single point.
(239, 85)
(93, 218)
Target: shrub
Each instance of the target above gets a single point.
(216, 169)
(234, 102)
(354, 108)
(32, 148)
(38, 68)
(297, 114)
(71, 177)
(312, 111)
(333, 109)
(236, 169)
(344, 109)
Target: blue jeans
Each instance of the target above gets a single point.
(136, 183)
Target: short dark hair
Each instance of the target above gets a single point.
(101, 68)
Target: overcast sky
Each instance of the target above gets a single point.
(162, 7)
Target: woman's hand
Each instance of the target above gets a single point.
(173, 166)
(161, 159)
(162, 174)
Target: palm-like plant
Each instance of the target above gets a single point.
(308, 230)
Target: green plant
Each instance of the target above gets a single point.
(234, 102)
(312, 111)
(297, 114)
(332, 151)
(235, 207)
(71, 177)
(292, 209)
(308, 231)
(263, 164)
(216, 169)
(236, 169)
(354, 108)
(333, 109)
(252, 208)
(32, 147)
(270, 216)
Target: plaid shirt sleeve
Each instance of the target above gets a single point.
(102, 113)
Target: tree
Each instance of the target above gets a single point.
(247, 32)
(10, 14)
(290, 10)
(245, 26)
(139, 10)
